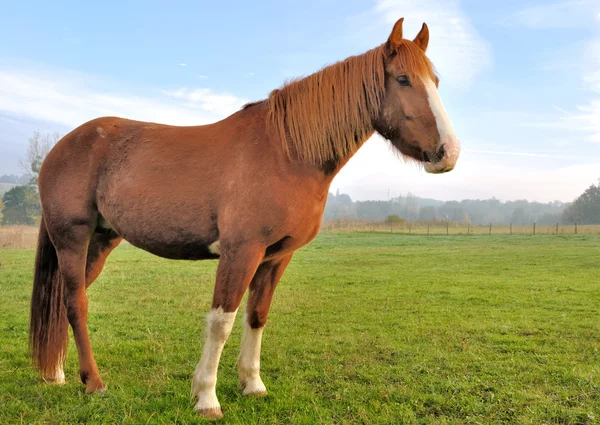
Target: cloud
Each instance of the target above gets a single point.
(206, 99)
(584, 121)
(182, 64)
(456, 48)
(71, 99)
(562, 14)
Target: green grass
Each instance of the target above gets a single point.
(365, 328)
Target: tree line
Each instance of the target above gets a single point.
(584, 210)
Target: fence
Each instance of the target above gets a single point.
(449, 228)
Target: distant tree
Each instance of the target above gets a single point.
(343, 199)
(428, 214)
(21, 206)
(519, 217)
(39, 146)
(586, 208)
(1, 208)
(395, 219)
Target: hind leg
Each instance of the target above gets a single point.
(99, 248)
(71, 251)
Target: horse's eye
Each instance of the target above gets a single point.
(403, 80)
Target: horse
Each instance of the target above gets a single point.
(248, 190)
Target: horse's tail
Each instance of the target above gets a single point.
(48, 326)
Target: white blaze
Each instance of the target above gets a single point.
(444, 125)
(218, 328)
(446, 131)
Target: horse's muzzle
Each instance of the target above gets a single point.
(444, 159)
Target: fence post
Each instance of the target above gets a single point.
(557, 228)
(447, 225)
(575, 227)
(427, 228)
(511, 228)
(409, 226)
(490, 232)
(534, 229)
(469, 229)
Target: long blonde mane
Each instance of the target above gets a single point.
(327, 115)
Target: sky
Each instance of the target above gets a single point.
(520, 79)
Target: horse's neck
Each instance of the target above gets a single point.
(333, 167)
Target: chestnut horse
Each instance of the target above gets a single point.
(248, 190)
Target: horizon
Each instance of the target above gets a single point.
(521, 83)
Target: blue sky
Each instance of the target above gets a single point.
(519, 79)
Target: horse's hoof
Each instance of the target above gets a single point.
(97, 387)
(256, 394)
(254, 388)
(57, 379)
(211, 413)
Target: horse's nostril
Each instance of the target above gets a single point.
(441, 152)
(426, 157)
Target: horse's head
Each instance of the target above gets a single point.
(412, 116)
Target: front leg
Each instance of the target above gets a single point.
(236, 268)
(261, 293)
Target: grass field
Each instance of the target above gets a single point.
(365, 328)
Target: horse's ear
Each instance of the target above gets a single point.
(422, 38)
(396, 36)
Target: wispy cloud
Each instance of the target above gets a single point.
(456, 48)
(561, 14)
(70, 100)
(202, 77)
(182, 64)
(207, 100)
(584, 120)
(530, 154)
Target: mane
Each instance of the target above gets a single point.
(327, 115)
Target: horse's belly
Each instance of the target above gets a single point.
(168, 238)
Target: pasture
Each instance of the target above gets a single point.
(364, 328)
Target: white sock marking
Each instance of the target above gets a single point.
(218, 328)
(58, 377)
(249, 361)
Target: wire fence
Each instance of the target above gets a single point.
(449, 228)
